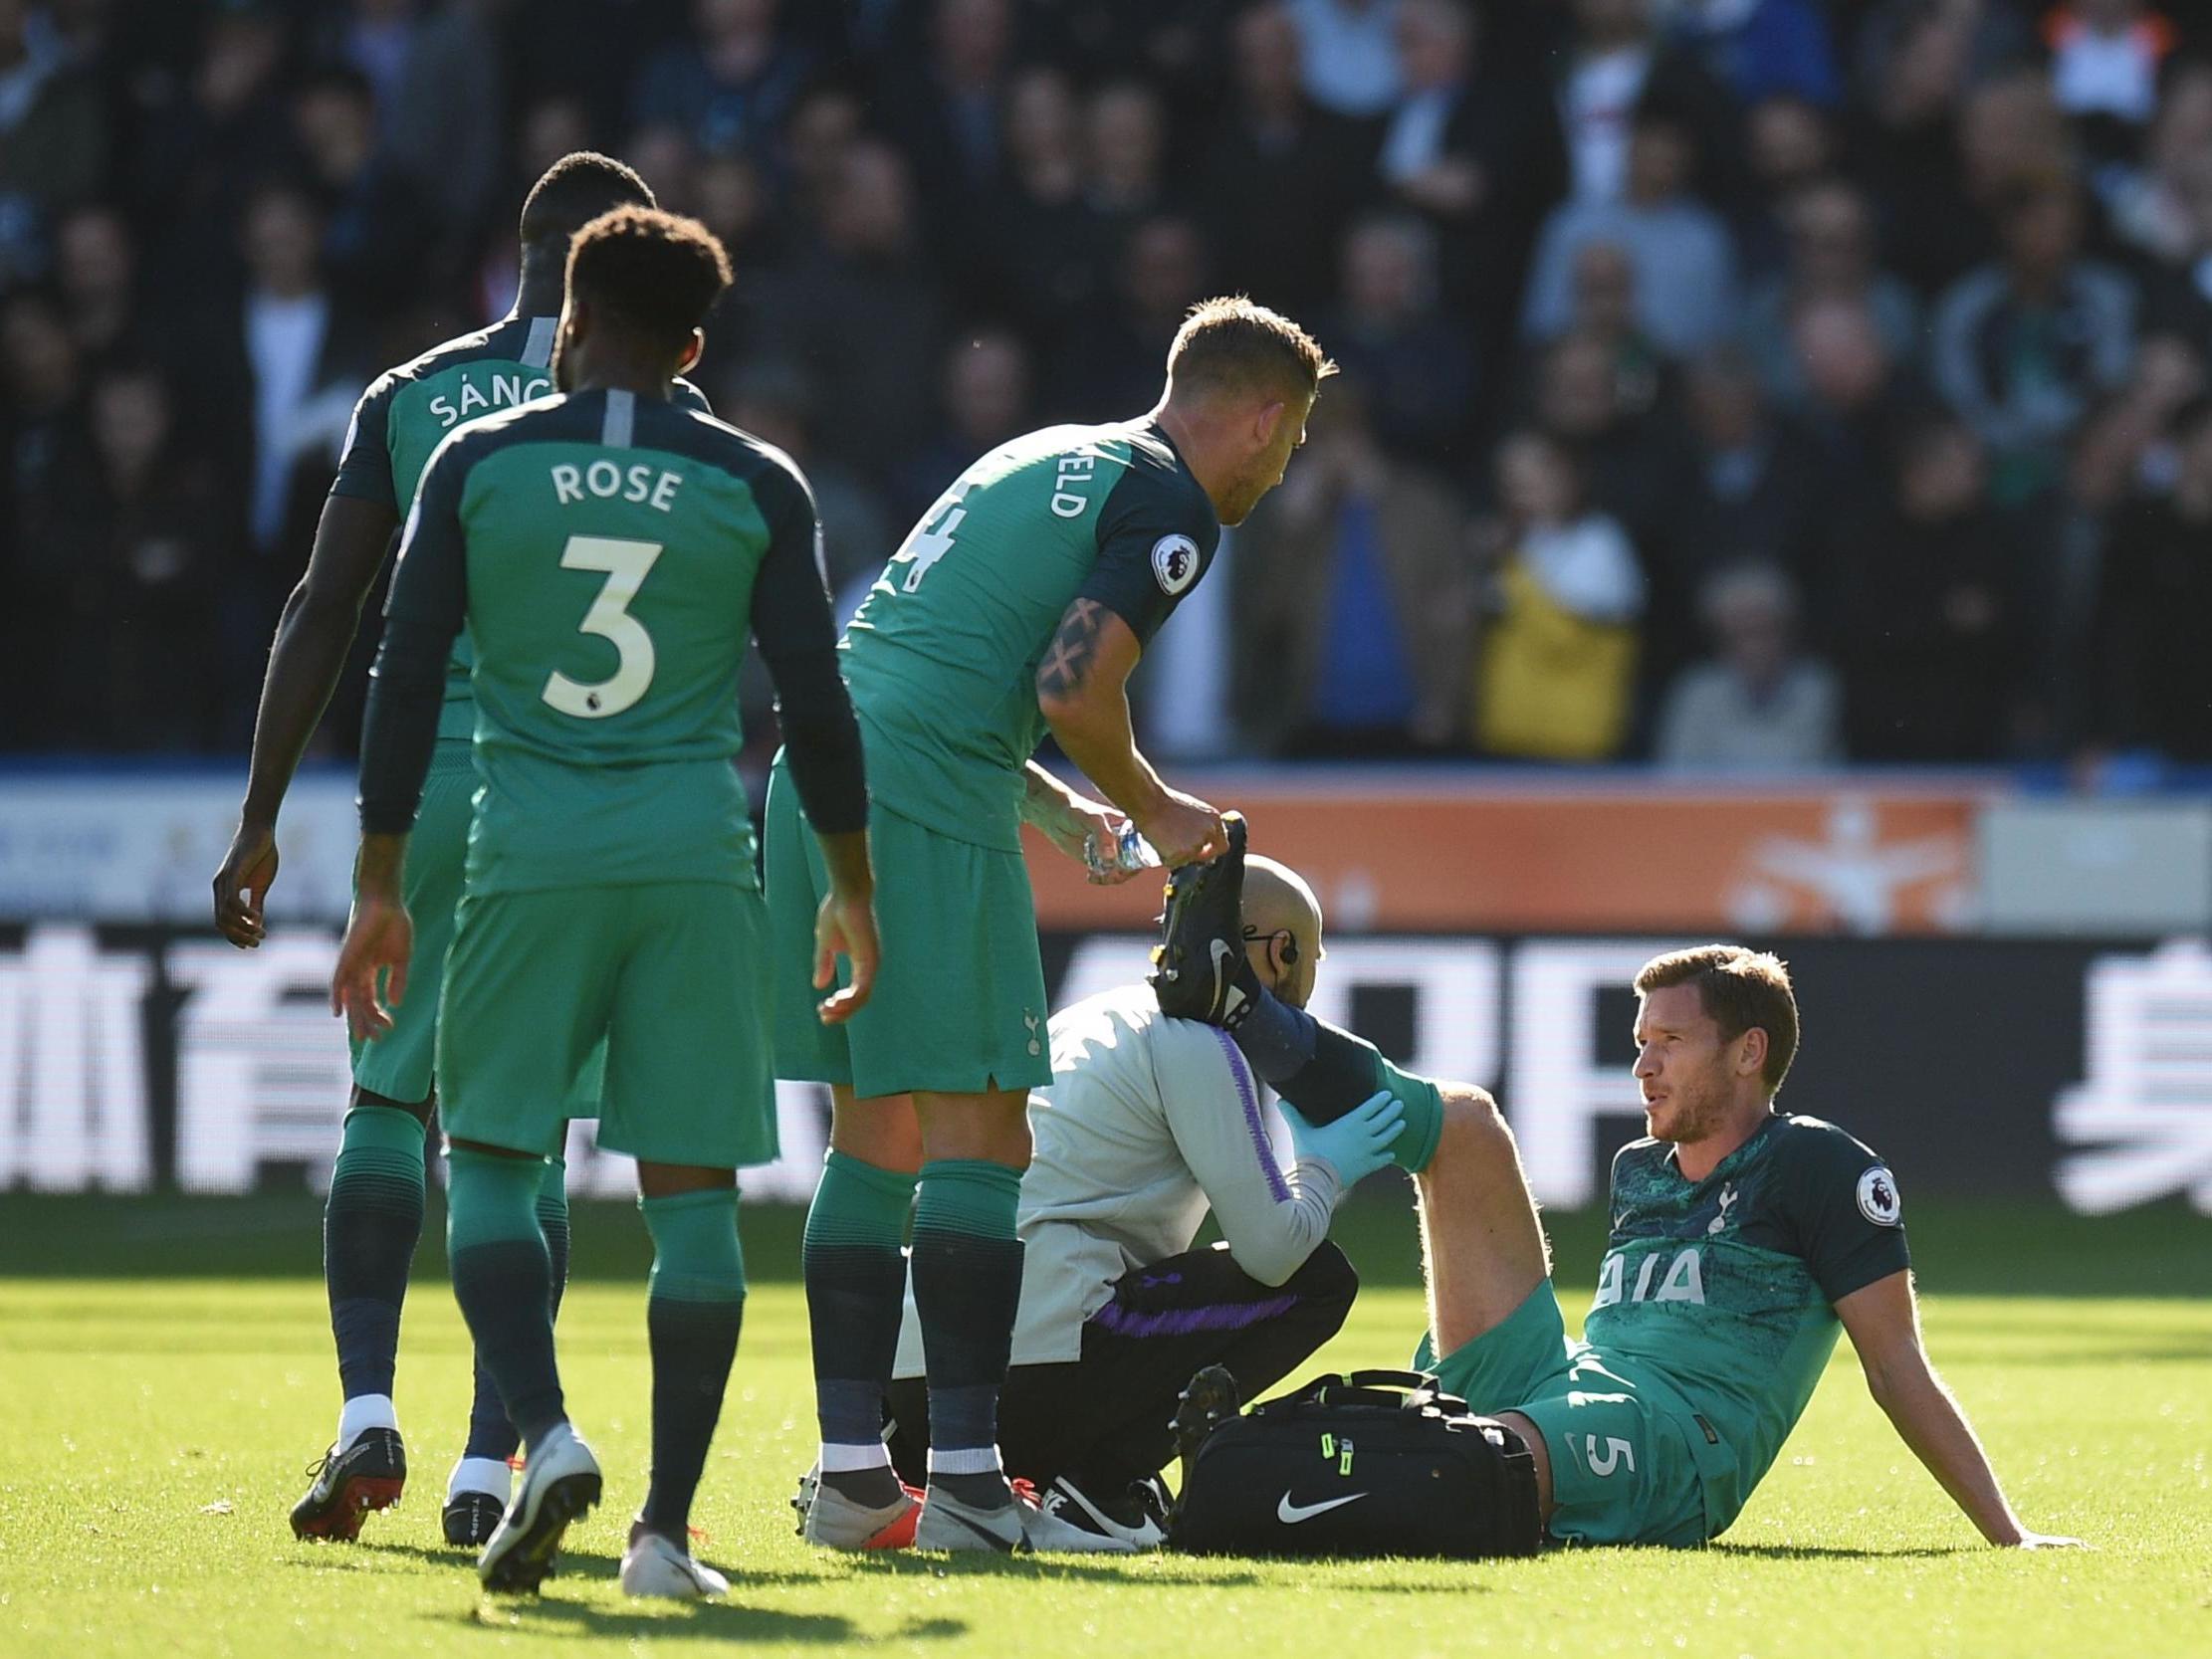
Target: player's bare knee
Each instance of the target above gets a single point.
(1474, 1129)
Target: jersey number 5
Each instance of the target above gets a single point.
(933, 538)
(625, 564)
(1618, 1454)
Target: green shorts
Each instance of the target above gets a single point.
(1620, 1466)
(959, 1004)
(671, 977)
(399, 1065)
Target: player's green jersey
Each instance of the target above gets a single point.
(942, 654)
(409, 410)
(605, 548)
(1725, 1287)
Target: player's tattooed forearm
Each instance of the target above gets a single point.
(1067, 662)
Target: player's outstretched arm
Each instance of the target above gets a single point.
(314, 634)
(1883, 1321)
(1082, 691)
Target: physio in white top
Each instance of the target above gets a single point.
(1149, 1124)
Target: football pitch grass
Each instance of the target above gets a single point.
(158, 1416)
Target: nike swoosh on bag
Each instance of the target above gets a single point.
(1290, 1513)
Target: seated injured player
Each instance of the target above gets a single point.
(1742, 1239)
(1148, 1125)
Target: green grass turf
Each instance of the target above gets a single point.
(156, 1429)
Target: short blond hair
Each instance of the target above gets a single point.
(1739, 990)
(1230, 344)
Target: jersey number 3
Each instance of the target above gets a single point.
(625, 564)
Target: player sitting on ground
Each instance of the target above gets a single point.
(610, 553)
(1148, 1124)
(374, 1216)
(1021, 601)
(1741, 1238)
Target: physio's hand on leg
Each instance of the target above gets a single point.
(1356, 1144)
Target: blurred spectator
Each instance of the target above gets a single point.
(43, 425)
(1854, 391)
(983, 399)
(440, 94)
(288, 358)
(944, 110)
(1125, 145)
(1748, 487)
(2162, 207)
(95, 268)
(1943, 43)
(1761, 48)
(771, 401)
(53, 137)
(1600, 410)
(1684, 266)
(665, 158)
(1615, 67)
(129, 637)
(1283, 175)
(862, 316)
(1045, 244)
(824, 129)
(1789, 146)
(728, 87)
(1391, 333)
(374, 233)
(1936, 137)
(1476, 150)
(1111, 367)
(1757, 704)
(1604, 309)
(2149, 689)
(2022, 348)
(1557, 660)
(205, 141)
(1351, 605)
(1830, 255)
(1932, 661)
(1349, 54)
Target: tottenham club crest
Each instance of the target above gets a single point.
(1174, 563)
(1877, 1197)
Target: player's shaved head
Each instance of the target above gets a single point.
(576, 190)
(1282, 924)
(653, 272)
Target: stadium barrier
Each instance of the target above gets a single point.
(144, 1057)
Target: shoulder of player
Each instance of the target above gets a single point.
(1806, 1140)
(693, 432)
(1643, 1150)
(501, 341)
(1156, 493)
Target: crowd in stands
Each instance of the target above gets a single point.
(1726, 383)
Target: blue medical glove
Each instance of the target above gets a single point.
(1357, 1143)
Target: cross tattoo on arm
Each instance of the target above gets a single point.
(1067, 662)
